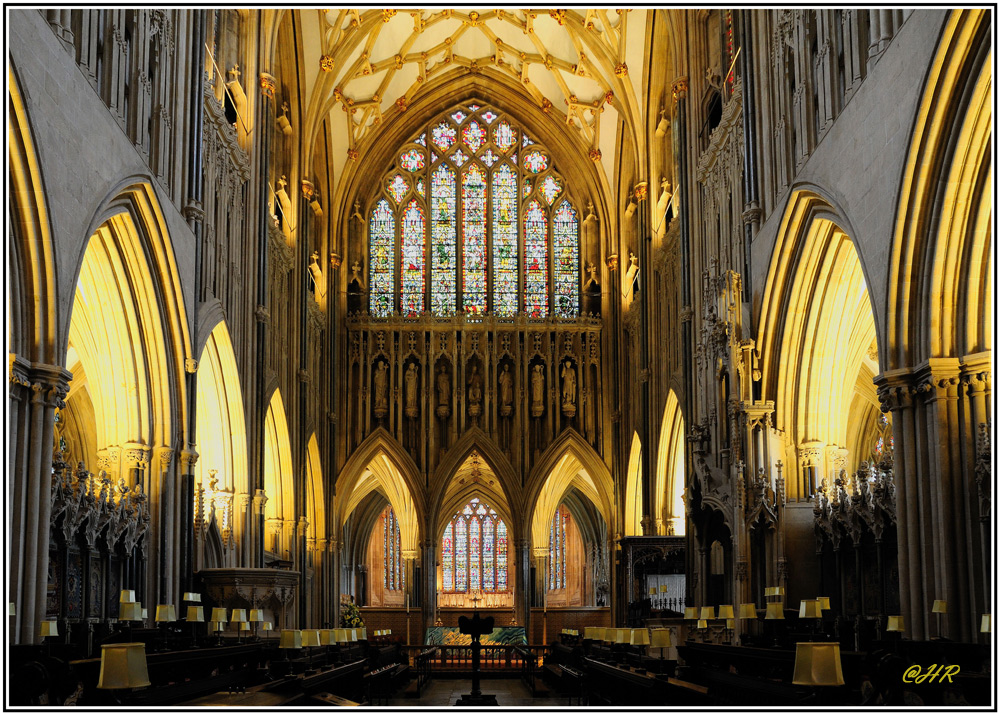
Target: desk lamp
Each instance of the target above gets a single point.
(219, 620)
(640, 637)
(290, 640)
(239, 616)
(660, 638)
(811, 608)
(123, 666)
(817, 664)
(195, 614)
(939, 607)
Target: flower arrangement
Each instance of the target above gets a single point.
(350, 616)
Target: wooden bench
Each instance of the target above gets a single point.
(424, 672)
(529, 673)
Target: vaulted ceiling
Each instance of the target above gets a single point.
(582, 67)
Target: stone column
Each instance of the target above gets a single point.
(167, 534)
(522, 584)
(49, 385)
(428, 601)
(257, 529)
(18, 402)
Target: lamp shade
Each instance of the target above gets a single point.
(663, 588)
(143, 613)
(810, 609)
(215, 626)
(707, 613)
(340, 635)
(824, 603)
(748, 610)
(691, 613)
(622, 635)
(703, 623)
(895, 624)
(770, 591)
(363, 634)
(165, 613)
(817, 664)
(940, 607)
(48, 628)
(290, 639)
(326, 637)
(239, 615)
(192, 597)
(652, 590)
(219, 615)
(123, 665)
(127, 596)
(310, 638)
(775, 611)
(730, 623)
(256, 615)
(196, 614)
(726, 612)
(352, 635)
(640, 636)
(660, 638)
(267, 626)
(130, 611)
(986, 625)
(244, 625)
(600, 634)
(589, 632)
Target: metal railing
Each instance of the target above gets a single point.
(492, 658)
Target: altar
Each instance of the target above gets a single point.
(449, 635)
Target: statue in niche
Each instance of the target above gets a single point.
(537, 391)
(443, 392)
(475, 392)
(506, 391)
(410, 389)
(569, 389)
(381, 397)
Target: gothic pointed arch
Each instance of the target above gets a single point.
(940, 273)
(34, 310)
(381, 464)
(279, 481)
(668, 492)
(818, 338)
(632, 504)
(315, 511)
(473, 440)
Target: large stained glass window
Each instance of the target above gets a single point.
(391, 548)
(474, 550)
(469, 220)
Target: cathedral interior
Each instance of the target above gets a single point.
(659, 339)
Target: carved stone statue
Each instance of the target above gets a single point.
(569, 389)
(506, 391)
(410, 389)
(475, 392)
(381, 394)
(537, 391)
(443, 392)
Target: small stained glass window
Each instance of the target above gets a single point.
(535, 161)
(459, 157)
(489, 116)
(474, 135)
(536, 260)
(398, 186)
(504, 136)
(412, 160)
(443, 136)
(382, 250)
(489, 158)
(551, 188)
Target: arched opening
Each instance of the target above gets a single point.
(633, 490)
(279, 484)
(221, 469)
(819, 346)
(669, 490)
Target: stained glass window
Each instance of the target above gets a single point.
(536, 262)
(412, 288)
(566, 257)
(557, 548)
(504, 242)
(412, 160)
(391, 544)
(474, 550)
(382, 245)
(474, 241)
(450, 216)
(443, 251)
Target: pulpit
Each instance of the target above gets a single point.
(476, 627)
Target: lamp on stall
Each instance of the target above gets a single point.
(310, 639)
(340, 635)
(726, 613)
(817, 664)
(986, 624)
(775, 611)
(218, 620)
(239, 616)
(810, 608)
(691, 613)
(824, 602)
(748, 610)
(195, 614)
(267, 626)
(47, 629)
(707, 613)
(589, 632)
(939, 607)
(640, 637)
(123, 666)
(256, 616)
(352, 634)
(326, 637)
(127, 596)
(290, 640)
(702, 623)
(895, 625)
(363, 634)
(165, 613)
(192, 597)
(660, 638)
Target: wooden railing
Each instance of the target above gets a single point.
(492, 658)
